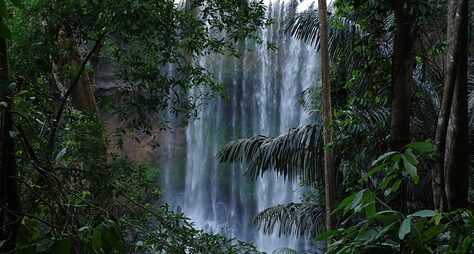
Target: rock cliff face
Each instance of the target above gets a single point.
(105, 76)
(135, 146)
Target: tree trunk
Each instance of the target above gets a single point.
(66, 64)
(456, 79)
(329, 170)
(403, 63)
(402, 75)
(10, 206)
(452, 161)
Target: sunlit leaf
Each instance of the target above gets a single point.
(405, 228)
(383, 157)
(424, 213)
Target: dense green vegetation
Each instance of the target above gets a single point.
(61, 191)
(399, 91)
(402, 175)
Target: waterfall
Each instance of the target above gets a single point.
(263, 88)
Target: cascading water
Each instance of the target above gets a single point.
(263, 91)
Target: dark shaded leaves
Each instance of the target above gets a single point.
(293, 154)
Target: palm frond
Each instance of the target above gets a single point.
(311, 100)
(299, 219)
(285, 250)
(305, 26)
(241, 150)
(373, 118)
(295, 153)
(347, 43)
(470, 100)
(425, 114)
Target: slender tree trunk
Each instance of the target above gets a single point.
(403, 63)
(329, 170)
(10, 206)
(402, 74)
(449, 176)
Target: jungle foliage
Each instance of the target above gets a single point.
(61, 191)
(389, 73)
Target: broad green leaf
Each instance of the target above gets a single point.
(97, 238)
(370, 209)
(395, 158)
(111, 238)
(326, 235)
(387, 216)
(432, 232)
(383, 157)
(405, 228)
(467, 244)
(438, 218)
(2, 242)
(344, 204)
(386, 181)
(410, 168)
(424, 147)
(357, 199)
(373, 171)
(384, 230)
(396, 185)
(369, 236)
(410, 156)
(424, 213)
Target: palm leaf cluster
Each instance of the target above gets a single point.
(311, 100)
(285, 251)
(299, 219)
(293, 154)
(370, 119)
(349, 46)
(470, 80)
(305, 26)
(427, 104)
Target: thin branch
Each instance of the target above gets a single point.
(68, 93)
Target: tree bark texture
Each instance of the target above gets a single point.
(403, 62)
(329, 170)
(66, 64)
(452, 153)
(10, 206)
(449, 143)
